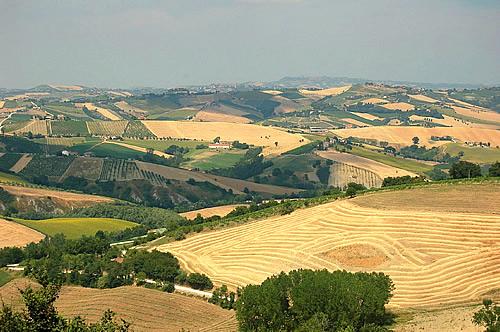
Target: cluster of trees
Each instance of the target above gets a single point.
(465, 170)
(399, 180)
(307, 300)
(422, 153)
(251, 164)
(40, 314)
(286, 177)
(239, 145)
(176, 150)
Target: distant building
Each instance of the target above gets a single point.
(220, 145)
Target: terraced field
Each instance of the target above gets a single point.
(15, 235)
(146, 309)
(433, 255)
(341, 174)
(69, 128)
(119, 170)
(107, 128)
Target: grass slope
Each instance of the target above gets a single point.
(76, 227)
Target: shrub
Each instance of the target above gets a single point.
(199, 281)
(465, 169)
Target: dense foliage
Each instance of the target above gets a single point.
(465, 169)
(494, 169)
(488, 316)
(306, 300)
(398, 180)
(251, 164)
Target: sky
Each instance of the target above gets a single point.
(168, 43)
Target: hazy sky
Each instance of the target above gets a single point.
(128, 43)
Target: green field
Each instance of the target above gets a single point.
(218, 160)
(10, 178)
(8, 160)
(473, 154)
(178, 114)
(409, 165)
(137, 129)
(115, 151)
(6, 276)
(69, 128)
(74, 228)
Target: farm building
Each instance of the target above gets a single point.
(220, 145)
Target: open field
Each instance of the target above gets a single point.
(397, 162)
(477, 113)
(355, 122)
(64, 197)
(220, 211)
(103, 111)
(146, 309)
(342, 174)
(85, 167)
(15, 235)
(227, 183)
(21, 163)
(325, 92)
(37, 127)
(374, 101)
(246, 133)
(382, 170)
(138, 148)
(220, 117)
(403, 135)
(399, 106)
(67, 87)
(451, 121)
(367, 116)
(124, 106)
(272, 92)
(74, 228)
(206, 160)
(434, 257)
(423, 98)
(2, 102)
(10, 178)
(107, 128)
(473, 154)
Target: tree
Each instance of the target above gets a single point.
(41, 315)
(307, 300)
(415, 140)
(494, 169)
(465, 169)
(199, 281)
(488, 316)
(217, 139)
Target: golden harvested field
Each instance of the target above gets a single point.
(37, 127)
(423, 98)
(220, 211)
(435, 257)
(367, 116)
(124, 106)
(477, 113)
(403, 134)
(220, 117)
(103, 111)
(227, 183)
(2, 103)
(67, 87)
(63, 196)
(325, 92)
(399, 106)
(356, 122)
(21, 163)
(374, 101)
(382, 170)
(107, 128)
(138, 148)
(246, 133)
(453, 122)
(145, 309)
(15, 235)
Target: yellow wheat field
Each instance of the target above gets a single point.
(247, 133)
(107, 128)
(374, 101)
(325, 92)
(367, 116)
(139, 148)
(403, 134)
(434, 256)
(67, 87)
(220, 211)
(454, 122)
(103, 111)
(126, 107)
(399, 106)
(220, 117)
(423, 98)
(477, 113)
(2, 103)
(21, 163)
(16, 235)
(355, 122)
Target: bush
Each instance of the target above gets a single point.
(168, 287)
(199, 281)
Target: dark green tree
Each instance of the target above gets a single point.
(488, 316)
(465, 169)
(494, 169)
